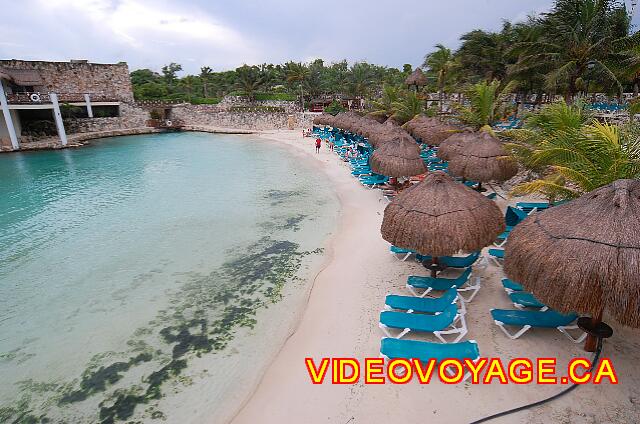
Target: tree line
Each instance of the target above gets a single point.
(286, 81)
(579, 46)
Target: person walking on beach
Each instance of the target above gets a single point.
(318, 144)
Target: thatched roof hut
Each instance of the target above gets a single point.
(398, 158)
(439, 217)
(482, 158)
(416, 78)
(583, 256)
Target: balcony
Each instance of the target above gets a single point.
(43, 98)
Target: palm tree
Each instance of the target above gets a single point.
(205, 74)
(384, 107)
(297, 72)
(579, 36)
(249, 80)
(360, 79)
(487, 100)
(440, 63)
(408, 105)
(576, 157)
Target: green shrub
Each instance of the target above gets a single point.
(334, 108)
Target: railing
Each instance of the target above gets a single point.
(40, 98)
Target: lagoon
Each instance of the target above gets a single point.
(140, 276)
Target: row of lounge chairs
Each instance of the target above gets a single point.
(530, 312)
(449, 326)
(443, 316)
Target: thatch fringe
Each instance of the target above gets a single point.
(398, 158)
(416, 78)
(583, 256)
(441, 217)
(481, 157)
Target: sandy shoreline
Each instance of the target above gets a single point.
(340, 320)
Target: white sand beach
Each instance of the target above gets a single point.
(341, 320)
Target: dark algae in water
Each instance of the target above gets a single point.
(203, 317)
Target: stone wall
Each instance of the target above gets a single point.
(131, 116)
(110, 80)
(208, 115)
(231, 101)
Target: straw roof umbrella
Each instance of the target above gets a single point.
(429, 130)
(385, 133)
(440, 217)
(482, 158)
(417, 78)
(452, 145)
(398, 158)
(583, 256)
(322, 119)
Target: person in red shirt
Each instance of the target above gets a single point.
(318, 144)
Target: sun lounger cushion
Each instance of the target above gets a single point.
(526, 299)
(454, 261)
(399, 250)
(497, 253)
(424, 351)
(420, 322)
(439, 283)
(541, 319)
(425, 305)
(508, 284)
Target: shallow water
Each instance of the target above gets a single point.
(132, 272)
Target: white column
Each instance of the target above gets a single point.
(89, 109)
(7, 117)
(58, 117)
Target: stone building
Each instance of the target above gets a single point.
(39, 98)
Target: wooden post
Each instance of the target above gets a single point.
(434, 265)
(592, 341)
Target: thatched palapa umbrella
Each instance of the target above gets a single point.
(417, 79)
(583, 256)
(385, 133)
(440, 217)
(482, 158)
(453, 145)
(429, 130)
(398, 158)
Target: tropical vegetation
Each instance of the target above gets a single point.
(573, 153)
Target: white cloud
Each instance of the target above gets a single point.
(139, 31)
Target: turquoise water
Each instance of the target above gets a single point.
(143, 268)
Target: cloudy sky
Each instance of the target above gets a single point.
(224, 34)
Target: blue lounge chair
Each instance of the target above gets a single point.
(535, 319)
(391, 348)
(523, 299)
(514, 216)
(447, 322)
(425, 305)
(496, 255)
(460, 283)
(399, 253)
(453, 261)
(511, 286)
(529, 207)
